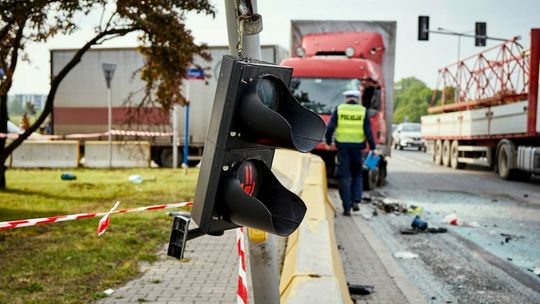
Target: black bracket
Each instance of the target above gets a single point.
(180, 234)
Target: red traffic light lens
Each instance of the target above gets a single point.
(249, 176)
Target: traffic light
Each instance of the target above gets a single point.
(480, 33)
(253, 113)
(423, 28)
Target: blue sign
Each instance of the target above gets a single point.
(194, 73)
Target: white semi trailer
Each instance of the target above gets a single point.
(81, 100)
(493, 118)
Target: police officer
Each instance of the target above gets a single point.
(352, 127)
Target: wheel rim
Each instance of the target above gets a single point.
(503, 160)
(454, 155)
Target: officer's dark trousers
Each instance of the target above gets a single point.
(349, 172)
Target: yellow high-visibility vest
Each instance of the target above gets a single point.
(350, 123)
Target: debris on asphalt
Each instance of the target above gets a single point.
(390, 206)
(361, 290)
(108, 292)
(68, 176)
(419, 223)
(452, 219)
(509, 237)
(535, 270)
(415, 210)
(428, 230)
(406, 255)
(136, 179)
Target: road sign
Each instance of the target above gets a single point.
(194, 73)
(253, 113)
(108, 71)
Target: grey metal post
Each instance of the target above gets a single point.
(108, 72)
(109, 122)
(263, 254)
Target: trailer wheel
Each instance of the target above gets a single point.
(166, 158)
(437, 154)
(454, 155)
(446, 153)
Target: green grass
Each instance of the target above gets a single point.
(66, 262)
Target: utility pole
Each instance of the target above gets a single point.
(108, 71)
(244, 25)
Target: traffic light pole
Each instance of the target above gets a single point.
(262, 250)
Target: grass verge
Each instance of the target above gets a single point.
(66, 262)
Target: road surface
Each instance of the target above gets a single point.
(490, 263)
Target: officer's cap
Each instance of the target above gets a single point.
(351, 93)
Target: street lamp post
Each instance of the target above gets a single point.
(108, 71)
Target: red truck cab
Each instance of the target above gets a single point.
(332, 63)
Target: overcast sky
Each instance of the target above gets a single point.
(413, 58)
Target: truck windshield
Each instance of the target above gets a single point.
(322, 95)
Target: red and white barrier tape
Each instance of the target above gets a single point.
(91, 135)
(103, 223)
(242, 297)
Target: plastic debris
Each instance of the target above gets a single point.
(418, 223)
(68, 176)
(405, 255)
(452, 219)
(136, 179)
(509, 237)
(535, 270)
(415, 210)
(361, 290)
(108, 291)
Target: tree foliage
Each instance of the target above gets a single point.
(411, 101)
(167, 45)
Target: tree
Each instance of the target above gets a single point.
(166, 44)
(412, 99)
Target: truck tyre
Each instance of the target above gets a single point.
(370, 178)
(437, 153)
(166, 158)
(446, 153)
(454, 154)
(506, 153)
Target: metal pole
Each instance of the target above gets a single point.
(109, 118)
(262, 252)
(186, 130)
(176, 110)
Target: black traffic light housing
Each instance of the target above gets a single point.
(480, 30)
(253, 113)
(423, 28)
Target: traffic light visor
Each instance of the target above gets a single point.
(255, 198)
(274, 117)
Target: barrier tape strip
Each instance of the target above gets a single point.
(103, 223)
(242, 297)
(91, 135)
(242, 294)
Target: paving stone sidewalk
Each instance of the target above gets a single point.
(367, 262)
(209, 274)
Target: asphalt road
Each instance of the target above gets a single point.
(486, 264)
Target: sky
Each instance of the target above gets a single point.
(420, 59)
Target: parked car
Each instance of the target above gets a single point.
(408, 135)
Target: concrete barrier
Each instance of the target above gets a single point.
(312, 269)
(125, 154)
(46, 154)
